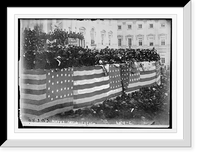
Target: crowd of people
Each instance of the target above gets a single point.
(52, 50)
(76, 56)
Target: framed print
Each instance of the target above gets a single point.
(119, 78)
(91, 81)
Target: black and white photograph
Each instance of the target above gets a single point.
(95, 72)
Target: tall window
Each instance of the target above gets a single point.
(102, 38)
(140, 42)
(162, 42)
(150, 43)
(103, 34)
(92, 33)
(119, 27)
(162, 25)
(109, 38)
(110, 34)
(163, 60)
(129, 42)
(82, 30)
(129, 26)
(119, 42)
(140, 26)
(151, 39)
(150, 25)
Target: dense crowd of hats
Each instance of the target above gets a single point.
(50, 51)
(74, 56)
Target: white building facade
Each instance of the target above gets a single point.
(102, 33)
(146, 34)
(97, 33)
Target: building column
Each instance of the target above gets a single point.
(134, 34)
(145, 33)
(87, 37)
(156, 33)
(45, 26)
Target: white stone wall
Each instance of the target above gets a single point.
(147, 35)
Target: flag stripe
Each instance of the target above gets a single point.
(90, 81)
(88, 95)
(149, 63)
(141, 83)
(89, 103)
(92, 98)
(115, 93)
(33, 77)
(90, 90)
(88, 72)
(36, 92)
(147, 68)
(91, 85)
(49, 109)
(34, 87)
(148, 85)
(34, 72)
(49, 114)
(143, 76)
(133, 85)
(46, 105)
(147, 72)
(148, 79)
(33, 97)
(44, 102)
(86, 77)
(145, 83)
(33, 102)
(31, 81)
(132, 89)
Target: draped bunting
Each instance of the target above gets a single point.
(45, 93)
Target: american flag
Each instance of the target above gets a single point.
(45, 93)
(91, 85)
(142, 74)
(115, 81)
(130, 77)
(124, 75)
(94, 85)
(134, 78)
(148, 74)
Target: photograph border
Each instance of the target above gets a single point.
(38, 127)
(43, 125)
(126, 140)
